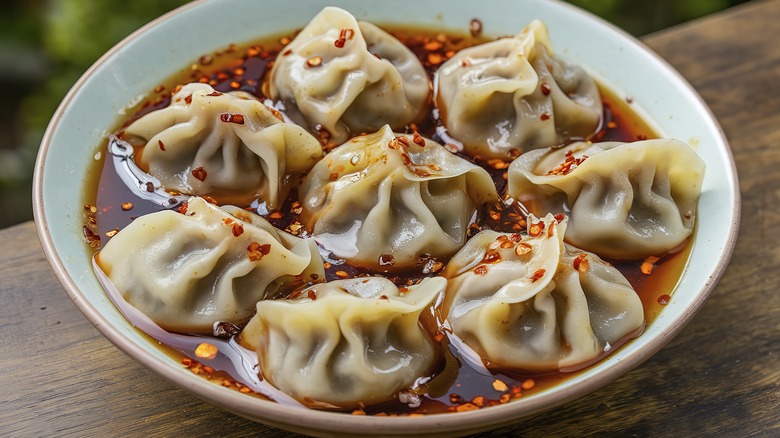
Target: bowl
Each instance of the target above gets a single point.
(170, 43)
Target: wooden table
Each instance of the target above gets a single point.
(720, 376)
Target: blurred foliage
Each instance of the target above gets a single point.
(45, 45)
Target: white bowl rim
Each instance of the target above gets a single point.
(316, 420)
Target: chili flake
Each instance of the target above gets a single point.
(648, 265)
(126, 206)
(232, 118)
(581, 263)
(199, 173)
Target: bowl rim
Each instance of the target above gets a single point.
(316, 420)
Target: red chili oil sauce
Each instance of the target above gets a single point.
(455, 386)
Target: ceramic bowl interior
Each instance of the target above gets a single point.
(173, 42)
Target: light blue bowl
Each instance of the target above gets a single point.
(167, 45)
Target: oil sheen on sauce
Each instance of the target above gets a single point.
(454, 385)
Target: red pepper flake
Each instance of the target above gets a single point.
(188, 99)
(311, 295)
(515, 237)
(275, 215)
(498, 164)
(438, 338)
(257, 251)
(333, 176)
(159, 89)
(418, 140)
(550, 230)
(545, 88)
(314, 61)
(528, 384)
(232, 118)
(341, 274)
(432, 46)
(478, 401)
(581, 263)
(523, 248)
(183, 208)
(401, 139)
(612, 124)
(344, 35)
(199, 173)
(467, 407)
(475, 27)
(481, 270)
(538, 275)
(560, 217)
(504, 398)
(112, 233)
(237, 230)
(386, 260)
(536, 229)
(435, 58)
(648, 265)
(491, 256)
(322, 134)
(287, 52)
(664, 299)
(545, 116)
(235, 85)
(500, 386)
(149, 187)
(569, 164)
(162, 146)
(127, 206)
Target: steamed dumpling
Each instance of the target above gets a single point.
(403, 196)
(534, 303)
(625, 200)
(345, 342)
(188, 270)
(512, 95)
(348, 77)
(206, 142)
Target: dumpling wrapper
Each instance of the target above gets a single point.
(512, 95)
(371, 80)
(379, 194)
(524, 303)
(345, 342)
(189, 271)
(210, 143)
(625, 200)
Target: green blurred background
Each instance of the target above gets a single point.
(45, 45)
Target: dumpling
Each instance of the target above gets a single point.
(395, 197)
(188, 270)
(206, 142)
(625, 200)
(345, 342)
(533, 303)
(348, 77)
(512, 95)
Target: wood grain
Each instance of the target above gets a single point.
(719, 377)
